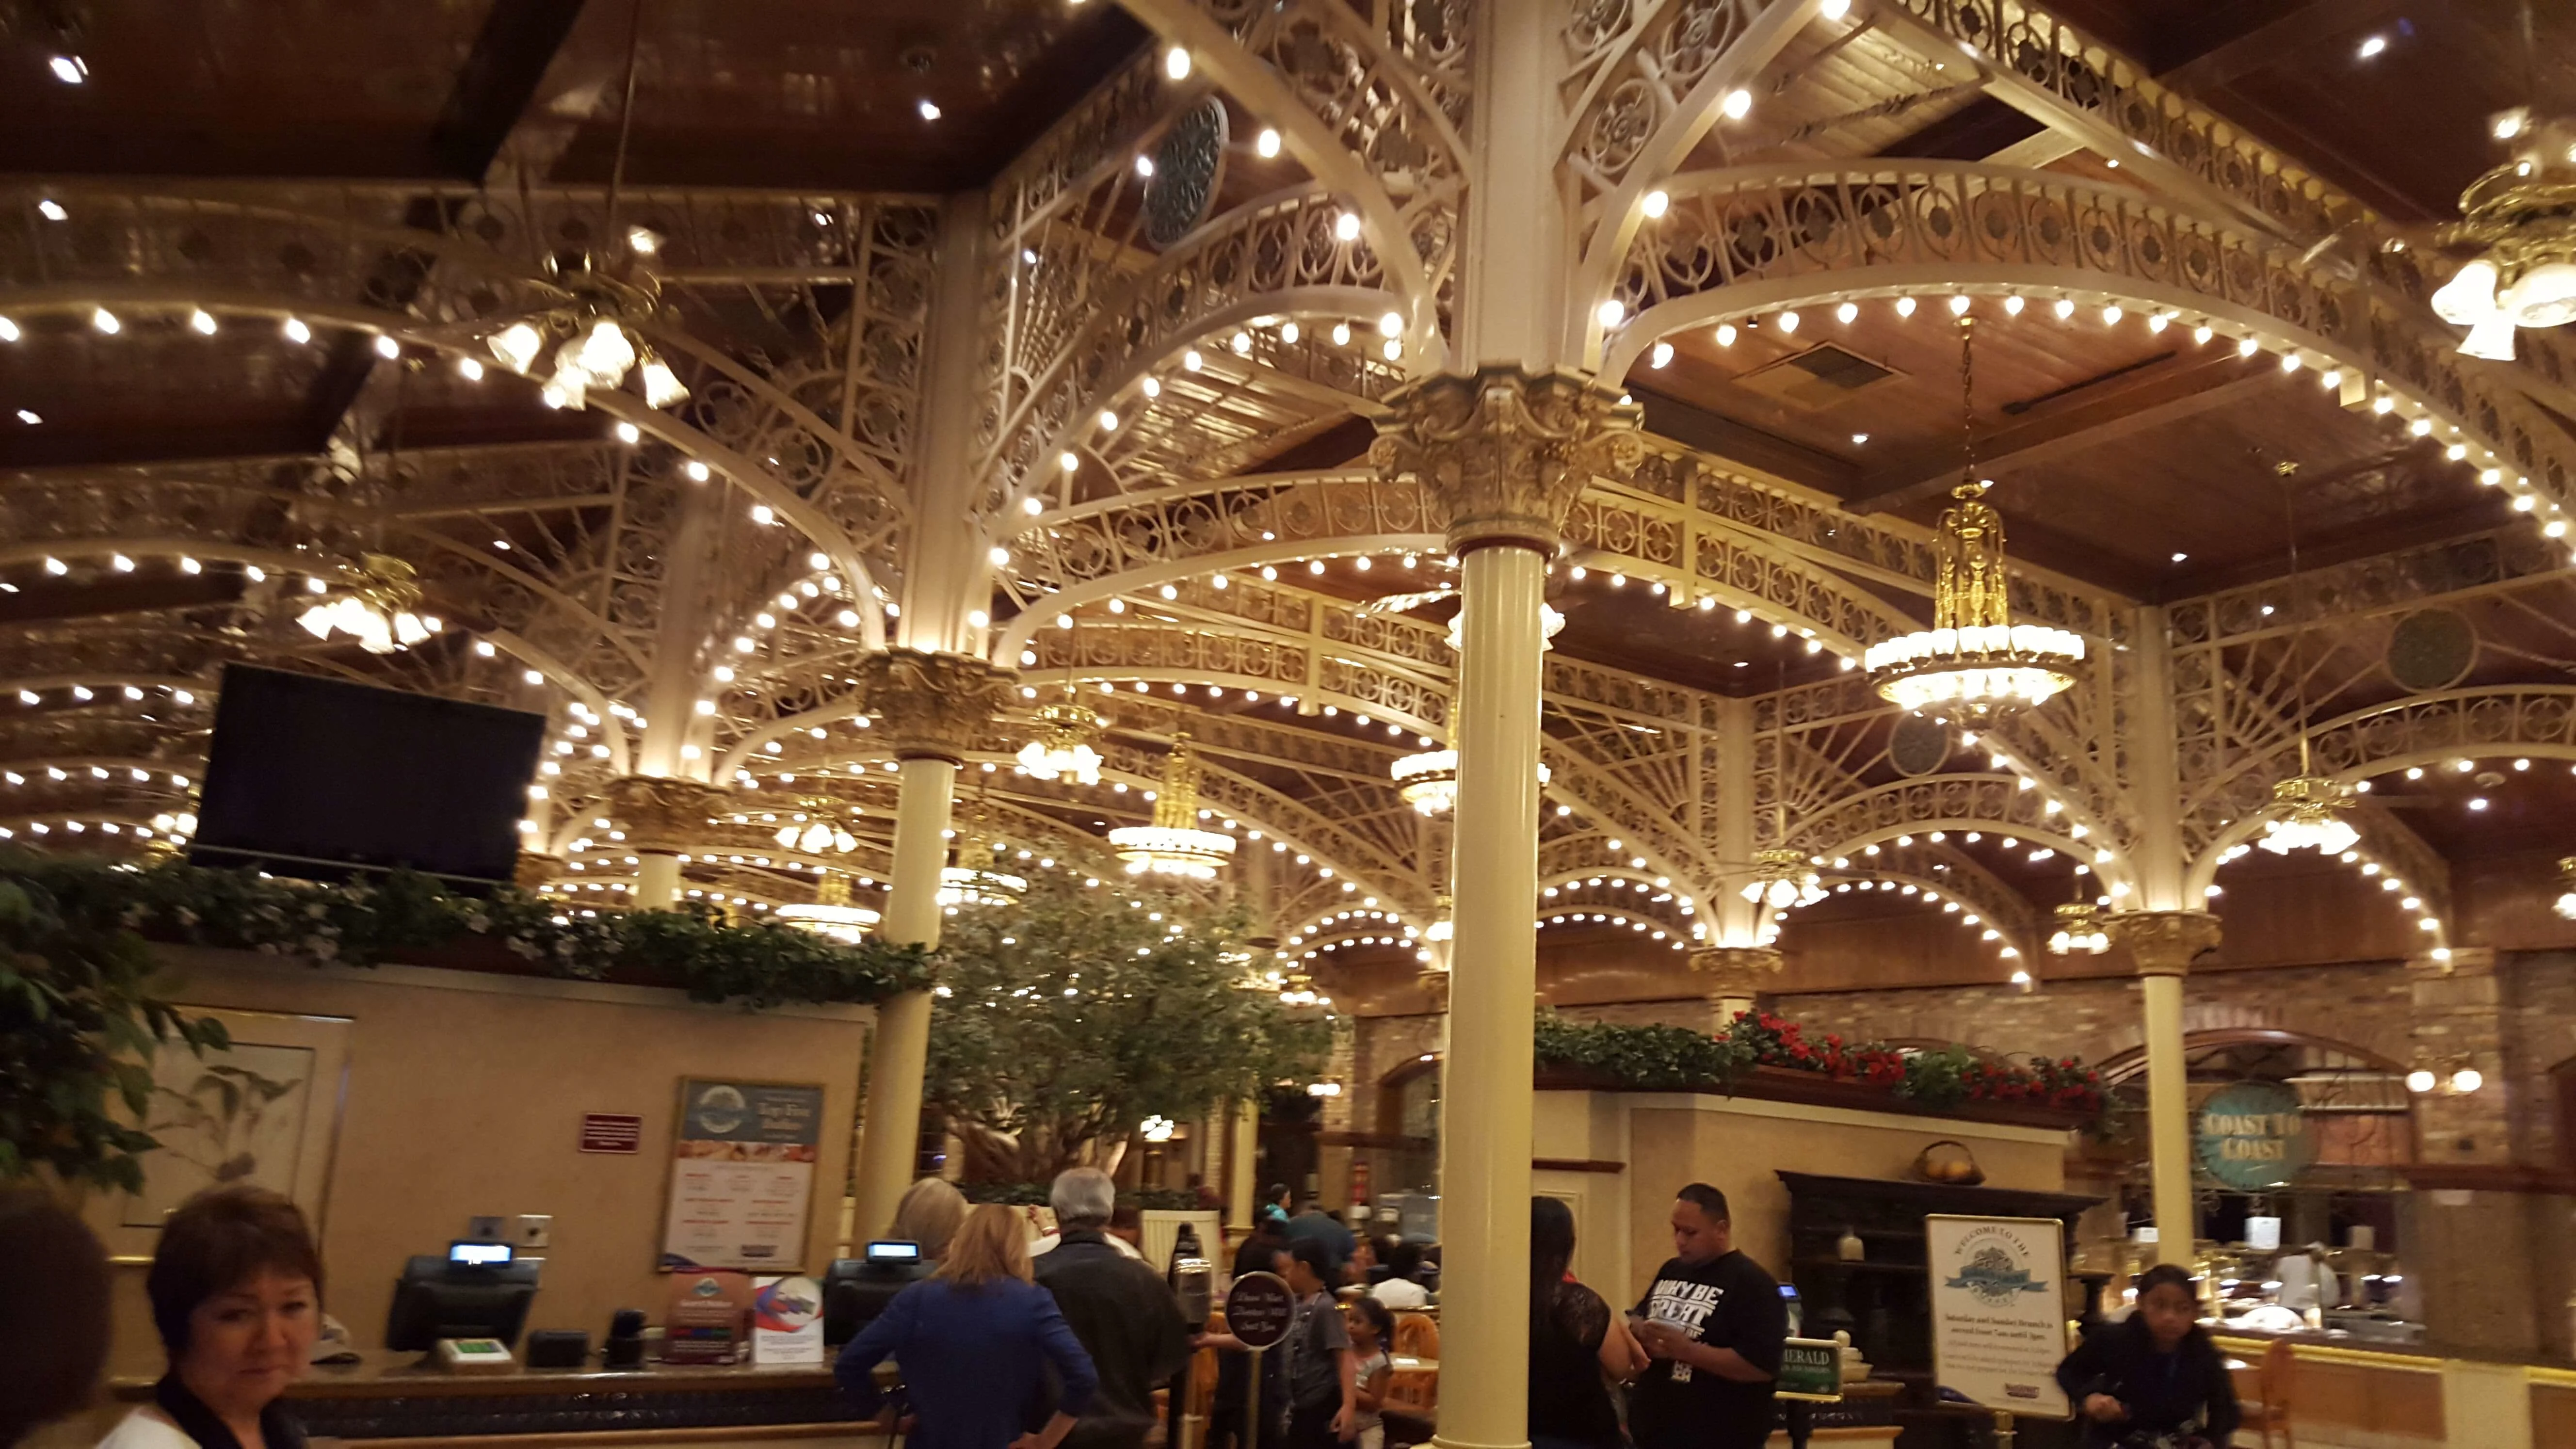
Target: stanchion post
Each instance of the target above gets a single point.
(1252, 1405)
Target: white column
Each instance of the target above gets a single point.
(2167, 931)
(1484, 1219)
(888, 1139)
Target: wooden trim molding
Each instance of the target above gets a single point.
(1575, 1164)
(1395, 1140)
(2488, 1177)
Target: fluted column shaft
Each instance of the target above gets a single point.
(931, 707)
(2163, 945)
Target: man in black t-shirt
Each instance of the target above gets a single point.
(1713, 1323)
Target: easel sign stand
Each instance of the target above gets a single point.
(1998, 1296)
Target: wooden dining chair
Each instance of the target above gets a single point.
(1416, 1336)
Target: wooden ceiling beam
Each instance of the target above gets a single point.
(500, 77)
(2162, 395)
(2238, 40)
(1697, 427)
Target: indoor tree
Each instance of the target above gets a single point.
(1067, 1017)
(78, 1026)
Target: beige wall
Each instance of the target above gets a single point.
(1660, 1141)
(464, 1094)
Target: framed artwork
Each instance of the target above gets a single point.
(265, 1111)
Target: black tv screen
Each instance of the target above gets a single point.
(317, 777)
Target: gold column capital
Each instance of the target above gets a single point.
(535, 870)
(663, 813)
(931, 706)
(2163, 943)
(1737, 971)
(1505, 452)
(1434, 981)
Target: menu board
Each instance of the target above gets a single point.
(1998, 1311)
(742, 1175)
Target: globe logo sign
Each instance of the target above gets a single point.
(2252, 1136)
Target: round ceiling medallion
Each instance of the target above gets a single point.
(1187, 168)
(2431, 649)
(1919, 745)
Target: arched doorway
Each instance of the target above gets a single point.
(2360, 1118)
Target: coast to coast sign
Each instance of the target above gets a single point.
(1998, 1311)
(2252, 1136)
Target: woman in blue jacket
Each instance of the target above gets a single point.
(972, 1343)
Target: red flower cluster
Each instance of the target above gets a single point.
(1775, 1041)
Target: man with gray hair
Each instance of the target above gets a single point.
(1126, 1317)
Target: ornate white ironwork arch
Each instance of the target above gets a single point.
(1749, 240)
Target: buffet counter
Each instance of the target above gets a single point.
(387, 1399)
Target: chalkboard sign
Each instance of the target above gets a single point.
(1258, 1309)
(1811, 1368)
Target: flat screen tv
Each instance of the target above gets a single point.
(319, 777)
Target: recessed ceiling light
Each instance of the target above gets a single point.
(1860, 437)
(929, 109)
(2373, 46)
(52, 210)
(29, 418)
(2179, 557)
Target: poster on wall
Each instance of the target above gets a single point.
(1998, 1311)
(742, 1175)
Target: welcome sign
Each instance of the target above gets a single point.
(1998, 1311)
(2252, 1135)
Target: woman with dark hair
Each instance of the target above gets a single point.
(2155, 1373)
(1576, 1345)
(236, 1290)
(53, 1321)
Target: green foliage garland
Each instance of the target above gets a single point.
(404, 915)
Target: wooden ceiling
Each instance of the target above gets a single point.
(764, 93)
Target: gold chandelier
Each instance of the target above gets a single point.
(830, 913)
(1783, 878)
(2522, 218)
(380, 609)
(1067, 744)
(2308, 810)
(811, 833)
(600, 321)
(2308, 813)
(2079, 931)
(1173, 844)
(1974, 662)
(1429, 781)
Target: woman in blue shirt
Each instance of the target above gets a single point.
(973, 1342)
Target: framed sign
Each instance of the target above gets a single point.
(1811, 1368)
(1998, 1311)
(2253, 1136)
(1258, 1310)
(742, 1175)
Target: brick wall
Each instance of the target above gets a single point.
(2372, 1006)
